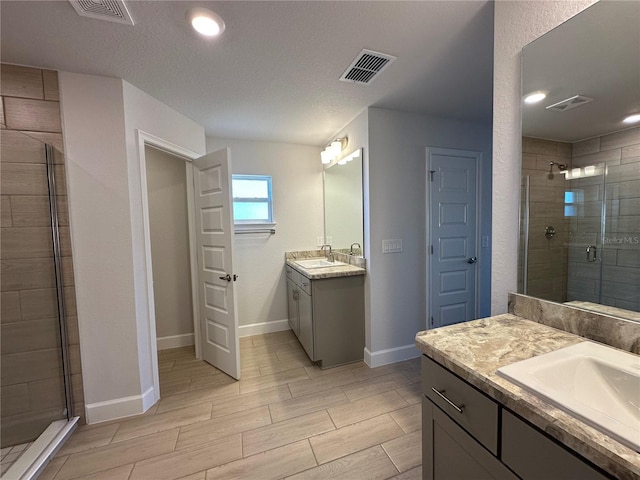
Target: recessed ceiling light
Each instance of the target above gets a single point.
(205, 22)
(535, 97)
(635, 118)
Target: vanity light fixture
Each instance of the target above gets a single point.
(205, 22)
(333, 150)
(635, 118)
(535, 97)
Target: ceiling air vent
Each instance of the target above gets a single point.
(366, 66)
(570, 103)
(110, 10)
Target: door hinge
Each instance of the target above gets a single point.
(432, 321)
(431, 249)
(432, 172)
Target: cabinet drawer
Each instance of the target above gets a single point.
(304, 283)
(471, 409)
(532, 455)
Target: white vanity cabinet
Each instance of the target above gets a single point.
(469, 435)
(327, 316)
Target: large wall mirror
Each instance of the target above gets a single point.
(343, 207)
(580, 207)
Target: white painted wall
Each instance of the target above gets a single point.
(296, 174)
(117, 339)
(516, 23)
(397, 203)
(169, 228)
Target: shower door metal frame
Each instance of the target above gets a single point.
(57, 261)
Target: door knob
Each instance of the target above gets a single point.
(473, 260)
(227, 277)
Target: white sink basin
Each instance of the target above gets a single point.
(599, 384)
(318, 263)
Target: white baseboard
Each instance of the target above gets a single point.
(390, 355)
(175, 341)
(264, 327)
(119, 408)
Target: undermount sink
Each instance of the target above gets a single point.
(318, 263)
(599, 384)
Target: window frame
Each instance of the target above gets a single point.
(270, 222)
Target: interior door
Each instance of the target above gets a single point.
(214, 226)
(452, 235)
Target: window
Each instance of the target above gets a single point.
(252, 200)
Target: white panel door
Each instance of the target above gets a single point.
(214, 226)
(453, 233)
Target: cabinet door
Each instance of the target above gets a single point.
(450, 453)
(293, 307)
(305, 317)
(533, 456)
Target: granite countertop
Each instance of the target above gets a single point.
(343, 270)
(475, 350)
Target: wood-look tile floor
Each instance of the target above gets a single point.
(286, 418)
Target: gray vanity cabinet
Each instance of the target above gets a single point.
(292, 304)
(327, 316)
(468, 435)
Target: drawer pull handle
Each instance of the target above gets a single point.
(441, 393)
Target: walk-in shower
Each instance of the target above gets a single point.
(580, 227)
(37, 408)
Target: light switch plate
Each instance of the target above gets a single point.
(392, 246)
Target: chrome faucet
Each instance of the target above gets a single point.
(351, 249)
(329, 255)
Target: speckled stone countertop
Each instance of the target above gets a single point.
(476, 349)
(351, 265)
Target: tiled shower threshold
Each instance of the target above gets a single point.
(35, 457)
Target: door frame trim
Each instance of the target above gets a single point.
(147, 139)
(478, 159)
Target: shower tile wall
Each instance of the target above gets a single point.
(547, 273)
(30, 358)
(621, 243)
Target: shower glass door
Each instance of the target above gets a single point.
(561, 234)
(584, 209)
(34, 381)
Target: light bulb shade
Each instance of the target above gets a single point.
(632, 118)
(336, 148)
(205, 22)
(325, 156)
(535, 97)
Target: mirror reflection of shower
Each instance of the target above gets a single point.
(560, 166)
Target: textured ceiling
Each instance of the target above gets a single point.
(273, 74)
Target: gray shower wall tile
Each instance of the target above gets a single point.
(10, 307)
(19, 81)
(23, 179)
(26, 274)
(38, 303)
(29, 308)
(5, 214)
(631, 153)
(630, 206)
(16, 147)
(620, 139)
(611, 157)
(586, 147)
(32, 336)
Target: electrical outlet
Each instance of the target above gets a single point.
(392, 246)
